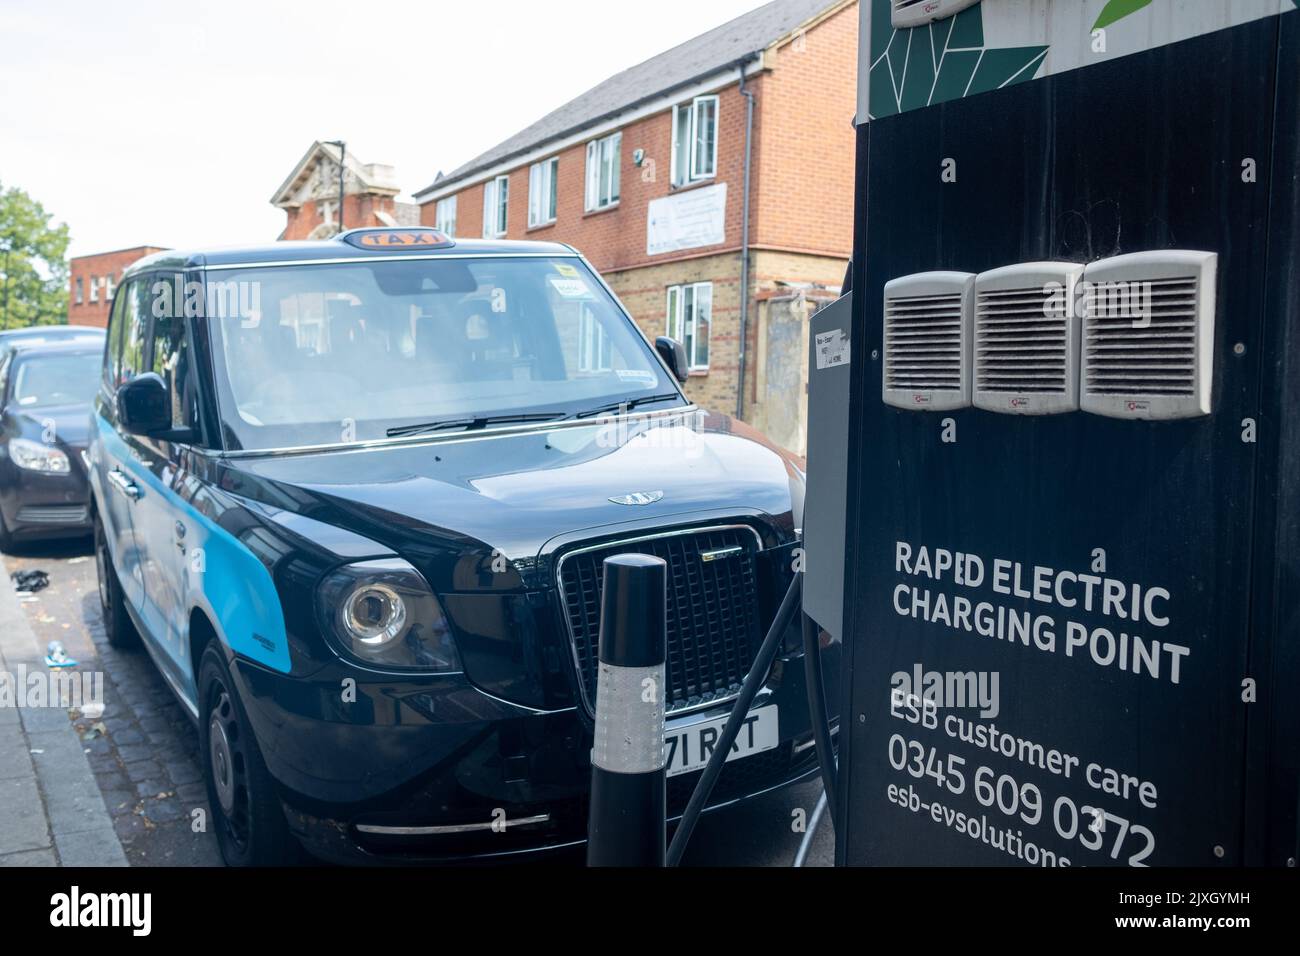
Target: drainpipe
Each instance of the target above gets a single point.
(744, 237)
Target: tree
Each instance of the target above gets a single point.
(33, 267)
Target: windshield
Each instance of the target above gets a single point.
(323, 354)
(41, 380)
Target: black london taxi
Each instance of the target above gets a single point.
(354, 495)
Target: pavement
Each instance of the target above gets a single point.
(126, 787)
(141, 752)
(51, 809)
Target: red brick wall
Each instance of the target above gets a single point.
(803, 161)
(616, 238)
(801, 174)
(97, 267)
(359, 210)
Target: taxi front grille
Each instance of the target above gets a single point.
(713, 619)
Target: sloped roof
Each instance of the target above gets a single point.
(683, 64)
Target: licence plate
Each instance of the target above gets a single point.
(689, 746)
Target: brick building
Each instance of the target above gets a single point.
(647, 173)
(92, 279)
(310, 196)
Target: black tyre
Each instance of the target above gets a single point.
(119, 630)
(246, 813)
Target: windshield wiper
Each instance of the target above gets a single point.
(482, 421)
(469, 424)
(626, 403)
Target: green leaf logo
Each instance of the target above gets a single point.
(1118, 10)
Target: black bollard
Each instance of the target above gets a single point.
(628, 806)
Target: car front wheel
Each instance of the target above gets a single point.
(247, 816)
(119, 630)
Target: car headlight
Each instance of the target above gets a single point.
(37, 457)
(383, 613)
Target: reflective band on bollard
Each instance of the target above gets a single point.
(628, 780)
(625, 738)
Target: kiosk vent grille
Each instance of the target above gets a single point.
(1027, 339)
(1148, 335)
(1021, 341)
(1154, 354)
(926, 338)
(912, 13)
(923, 341)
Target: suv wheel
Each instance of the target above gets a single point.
(119, 630)
(247, 816)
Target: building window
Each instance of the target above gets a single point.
(80, 290)
(595, 351)
(108, 287)
(445, 216)
(94, 288)
(690, 312)
(327, 208)
(496, 198)
(695, 141)
(542, 196)
(603, 158)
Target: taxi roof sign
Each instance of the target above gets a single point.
(397, 239)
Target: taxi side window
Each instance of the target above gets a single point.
(116, 328)
(136, 322)
(169, 357)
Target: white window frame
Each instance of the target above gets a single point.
(677, 321)
(543, 192)
(108, 287)
(698, 167)
(80, 290)
(595, 349)
(94, 288)
(496, 207)
(604, 156)
(444, 215)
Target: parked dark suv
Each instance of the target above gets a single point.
(355, 496)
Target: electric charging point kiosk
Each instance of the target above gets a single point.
(1070, 460)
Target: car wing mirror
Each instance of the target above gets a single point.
(144, 408)
(674, 355)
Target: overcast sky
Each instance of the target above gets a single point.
(171, 122)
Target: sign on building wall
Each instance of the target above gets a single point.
(687, 220)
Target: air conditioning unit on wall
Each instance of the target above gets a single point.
(1148, 335)
(915, 13)
(1027, 339)
(927, 341)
